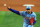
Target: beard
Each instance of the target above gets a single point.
(28, 12)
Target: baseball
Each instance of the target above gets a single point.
(4, 4)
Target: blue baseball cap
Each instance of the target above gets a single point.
(28, 7)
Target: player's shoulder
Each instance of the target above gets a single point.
(33, 13)
(21, 11)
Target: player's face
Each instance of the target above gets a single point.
(28, 10)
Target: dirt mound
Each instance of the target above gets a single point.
(17, 5)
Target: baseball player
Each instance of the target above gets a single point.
(28, 16)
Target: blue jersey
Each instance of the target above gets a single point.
(27, 16)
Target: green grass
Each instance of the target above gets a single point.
(9, 19)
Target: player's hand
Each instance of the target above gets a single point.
(31, 23)
(8, 7)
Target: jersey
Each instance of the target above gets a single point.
(27, 16)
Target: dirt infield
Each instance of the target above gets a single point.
(17, 5)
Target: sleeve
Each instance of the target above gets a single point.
(35, 17)
(21, 13)
(15, 11)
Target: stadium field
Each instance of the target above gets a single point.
(10, 19)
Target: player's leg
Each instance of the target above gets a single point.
(25, 25)
(30, 25)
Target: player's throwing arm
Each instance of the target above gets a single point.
(13, 10)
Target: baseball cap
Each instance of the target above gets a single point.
(28, 7)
